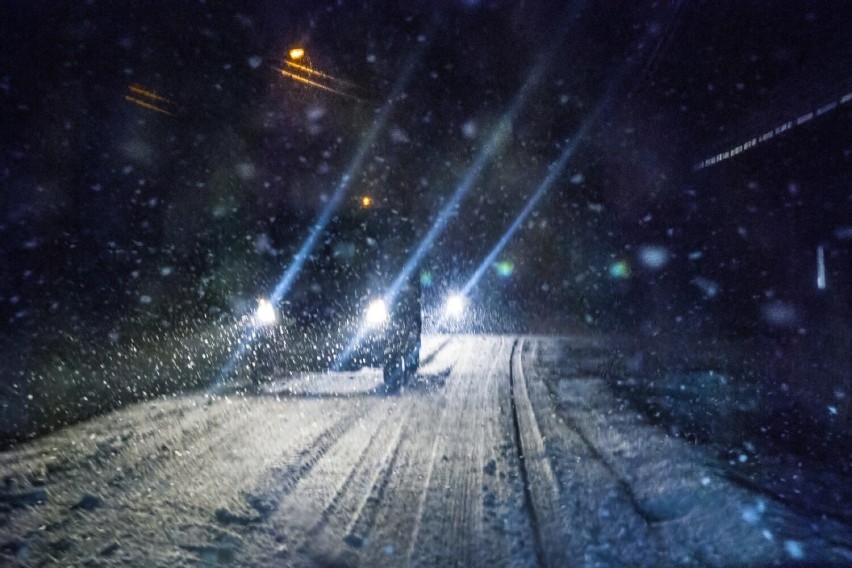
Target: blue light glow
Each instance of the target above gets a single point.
(496, 141)
(498, 138)
(285, 283)
(654, 256)
(556, 169)
(619, 269)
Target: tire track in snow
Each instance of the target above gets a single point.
(181, 481)
(596, 501)
(98, 444)
(310, 524)
(528, 443)
(281, 480)
(335, 505)
(365, 516)
(623, 483)
(130, 462)
(451, 502)
(427, 480)
(338, 508)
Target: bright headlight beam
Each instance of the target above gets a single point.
(556, 169)
(285, 283)
(499, 136)
(496, 140)
(454, 306)
(376, 314)
(265, 313)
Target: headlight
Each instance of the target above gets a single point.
(265, 313)
(377, 313)
(454, 307)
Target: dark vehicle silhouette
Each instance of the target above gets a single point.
(342, 312)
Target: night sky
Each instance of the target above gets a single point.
(119, 218)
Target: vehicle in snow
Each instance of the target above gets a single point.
(343, 310)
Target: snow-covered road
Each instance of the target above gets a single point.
(507, 451)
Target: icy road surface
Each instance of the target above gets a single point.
(507, 451)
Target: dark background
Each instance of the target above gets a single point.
(119, 222)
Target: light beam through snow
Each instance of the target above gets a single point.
(496, 141)
(285, 283)
(556, 169)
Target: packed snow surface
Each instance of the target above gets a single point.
(506, 451)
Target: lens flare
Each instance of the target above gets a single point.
(619, 269)
(505, 268)
(556, 169)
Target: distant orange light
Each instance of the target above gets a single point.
(366, 201)
(150, 100)
(297, 53)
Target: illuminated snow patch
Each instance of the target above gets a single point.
(469, 129)
(707, 286)
(794, 549)
(780, 314)
(245, 171)
(654, 257)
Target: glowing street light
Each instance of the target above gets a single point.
(366, 201)
(296, 53)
